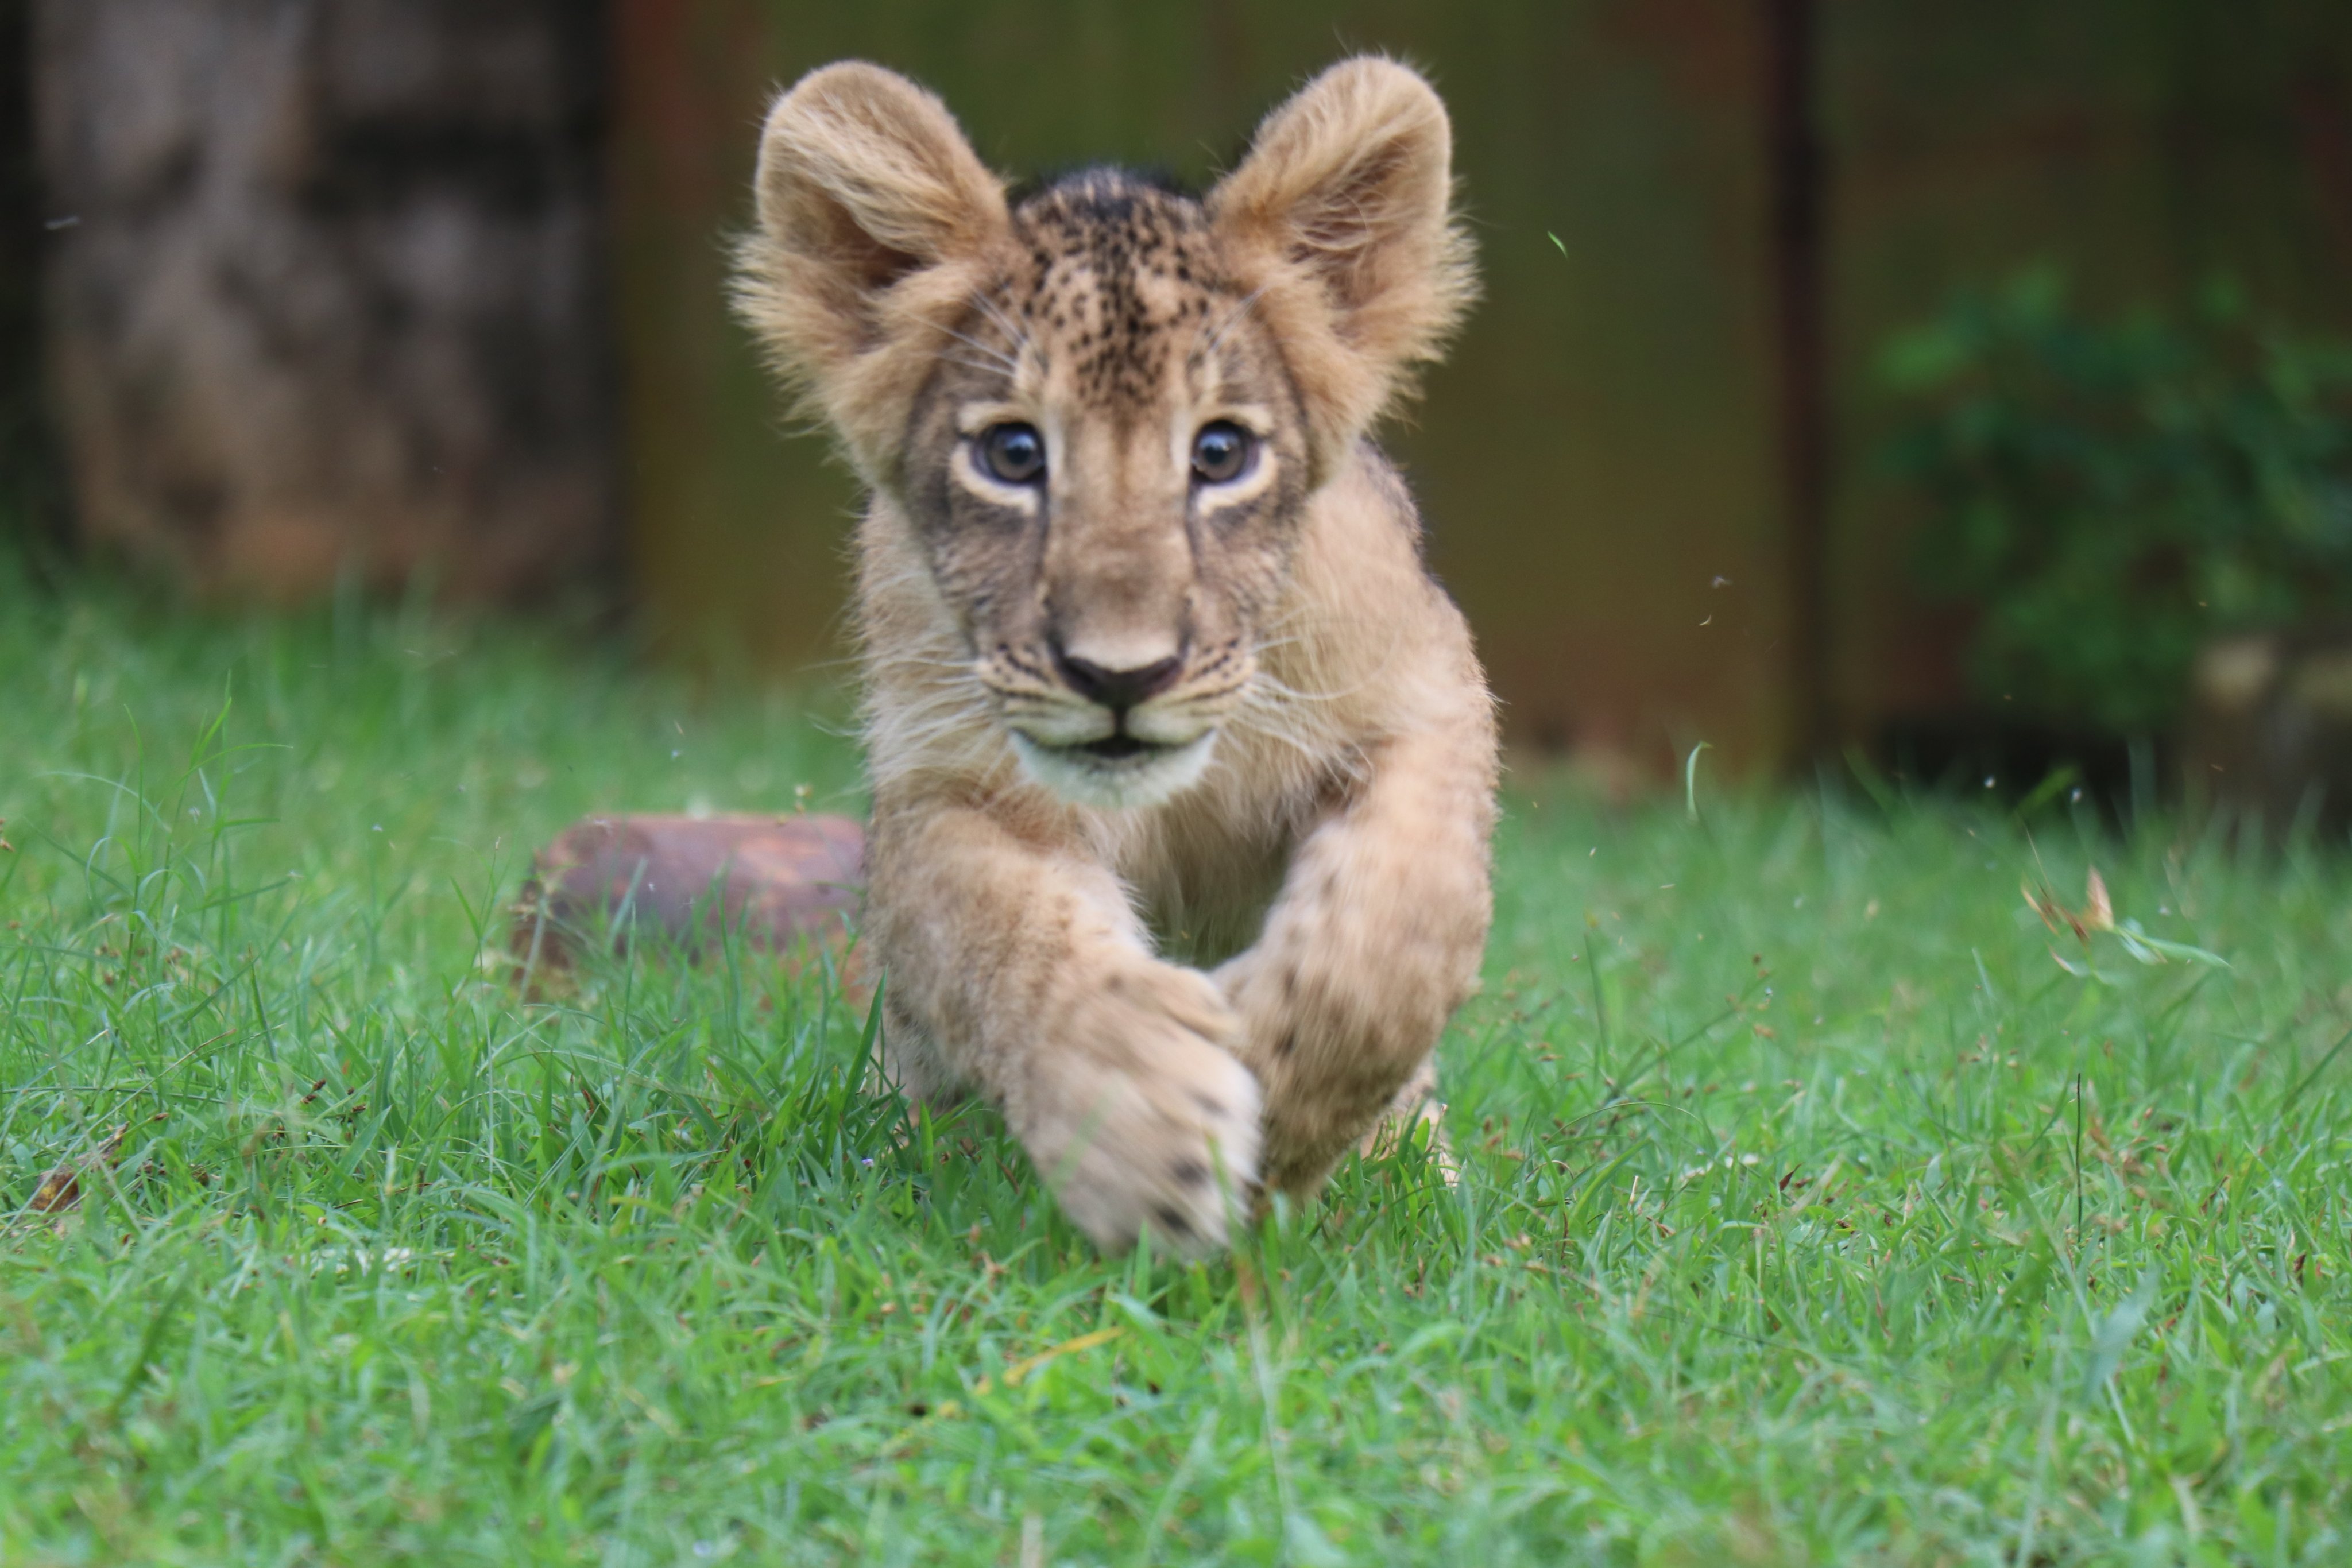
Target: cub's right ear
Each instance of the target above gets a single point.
(865, 189)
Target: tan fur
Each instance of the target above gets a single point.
(1195, 944)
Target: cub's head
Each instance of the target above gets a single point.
(1102, 408)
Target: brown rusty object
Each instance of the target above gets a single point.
(788, 884)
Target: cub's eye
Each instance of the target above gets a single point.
(1013, 453)
(1222, 452)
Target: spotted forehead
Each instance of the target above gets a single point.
(1120, 278)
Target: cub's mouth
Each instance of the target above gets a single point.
(1119, 770)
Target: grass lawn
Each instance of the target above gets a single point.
(1817, 1203)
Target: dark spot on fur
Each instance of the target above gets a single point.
(1188, 1172)
(1174, 1222)
(1289, 1043)
(1210, 1104)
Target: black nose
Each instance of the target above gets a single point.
(1118, 690)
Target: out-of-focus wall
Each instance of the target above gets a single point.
(1596, 458)
(326, 290)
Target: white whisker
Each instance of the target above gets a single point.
(1012, 330)
(1217, 335)
(947, 357)
(1004, 360)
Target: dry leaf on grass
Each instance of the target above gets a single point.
(62, 1188)
(2097, 914)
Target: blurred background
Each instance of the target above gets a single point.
(1938, 389)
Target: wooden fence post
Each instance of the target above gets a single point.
(1793, 148)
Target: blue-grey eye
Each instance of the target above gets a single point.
(1222, 452)
(1013, 453)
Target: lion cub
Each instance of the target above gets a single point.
(1184, 767)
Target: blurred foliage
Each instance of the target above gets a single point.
(2109, 494)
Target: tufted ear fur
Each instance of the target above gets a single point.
(876, 219)
(1341, 216)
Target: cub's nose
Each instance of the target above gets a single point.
(1118, 690)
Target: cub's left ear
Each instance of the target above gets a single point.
(1341, 216)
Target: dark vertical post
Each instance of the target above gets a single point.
(30, 502)
(1793, 151)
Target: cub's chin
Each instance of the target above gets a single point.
(1120, 773)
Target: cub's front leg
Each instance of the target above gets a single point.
(1373, 941)
(1018, 970)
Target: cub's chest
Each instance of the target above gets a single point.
(1204, 881)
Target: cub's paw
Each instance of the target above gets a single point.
(1142, 1118)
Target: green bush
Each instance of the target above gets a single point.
(2108, 495)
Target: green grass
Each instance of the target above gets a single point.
(1810, 1212)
